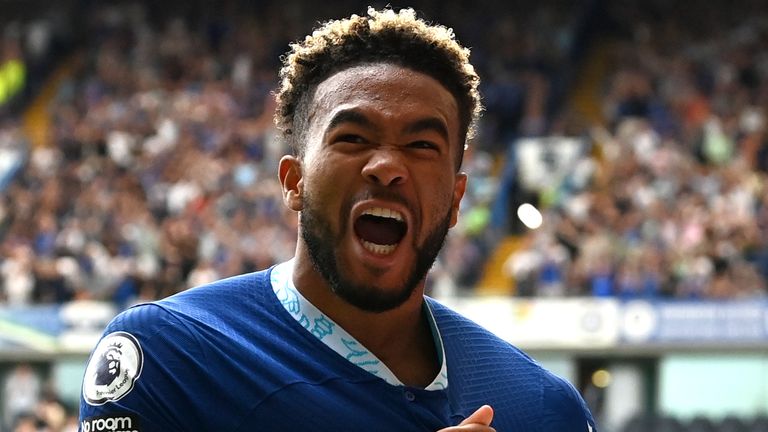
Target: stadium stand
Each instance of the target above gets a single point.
(673, 203)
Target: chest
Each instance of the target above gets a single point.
(268, 384)
(337, 405)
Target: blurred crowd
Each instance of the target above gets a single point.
(32, 405)
(156, 179)
(675, 202)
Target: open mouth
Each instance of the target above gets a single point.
(380, 230)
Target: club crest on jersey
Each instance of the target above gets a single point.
(114, 367)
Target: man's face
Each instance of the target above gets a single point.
(378, 191)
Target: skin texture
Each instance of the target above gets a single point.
(378, 136)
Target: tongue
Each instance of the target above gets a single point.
(378, 230)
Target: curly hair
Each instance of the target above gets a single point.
(384, 36)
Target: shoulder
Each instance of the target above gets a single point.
(121, 375)
(181, 318)
(175, 326)
(144, 321)
(235, 289)
(563, 408)
(156, 360)
(484, 368)
(462, 333)
(168, 314)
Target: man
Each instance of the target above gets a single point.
(377, 110)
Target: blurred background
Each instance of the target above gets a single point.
(615, 224)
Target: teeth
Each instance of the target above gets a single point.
(384, 212)
(379, 249)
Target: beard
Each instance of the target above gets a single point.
(322, 244)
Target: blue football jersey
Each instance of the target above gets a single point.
(228, 357)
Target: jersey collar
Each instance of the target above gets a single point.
(338, 339)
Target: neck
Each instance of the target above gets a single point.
(399, 337)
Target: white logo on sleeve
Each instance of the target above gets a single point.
(114, 367)
(589, 427)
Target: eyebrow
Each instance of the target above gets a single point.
(429, 124)
(349, 116)
(357, 118)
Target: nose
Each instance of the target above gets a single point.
(385, 167)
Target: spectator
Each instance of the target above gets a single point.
(21, 394)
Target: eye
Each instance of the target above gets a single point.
(426, 145)
(351, 138)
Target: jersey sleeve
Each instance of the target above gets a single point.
(137, 377)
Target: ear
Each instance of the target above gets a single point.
(459, 186)
(292, 182)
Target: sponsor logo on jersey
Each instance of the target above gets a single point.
(118, 422)
(113, 369)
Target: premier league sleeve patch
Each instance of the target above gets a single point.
(113, 369)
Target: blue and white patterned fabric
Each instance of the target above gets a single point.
(336, 338)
